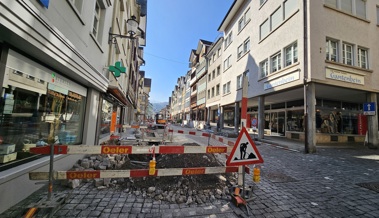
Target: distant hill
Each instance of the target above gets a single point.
(158, 106)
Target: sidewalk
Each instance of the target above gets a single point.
(291, 144)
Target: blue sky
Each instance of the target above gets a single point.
(174, 28)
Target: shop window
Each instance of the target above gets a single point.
(295, 120)
(30, 119)
(278, 106)
(106, 117)
(296, 103)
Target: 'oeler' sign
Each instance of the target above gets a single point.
(83, 175)
(217, 150)
(116, 149)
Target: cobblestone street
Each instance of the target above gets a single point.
(293, 184)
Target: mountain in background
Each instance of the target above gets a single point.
(157, 106)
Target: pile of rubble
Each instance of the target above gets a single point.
(175, 189)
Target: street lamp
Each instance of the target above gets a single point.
(132, 27)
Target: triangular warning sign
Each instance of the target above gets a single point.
(244, 151)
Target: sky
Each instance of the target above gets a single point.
(174, 28)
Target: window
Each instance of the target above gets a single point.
(276, 62)
(214, 57)
(209, 77)
(209, 93)
(264, 29)
(213, 74)
(228, 40)
(362, 58)
(332, 3)
(290, 7)
(241, 24)
(226, 88)
(377, 15)
(354, 7)
(262, 1)
(218, 70)
(246, 45)
(240, 79)
(347, 54)
(227, 63)
(219, 52)
(96, 20)
(331, 50)
(217, 89)
(263, 67)
(244, 20)
(78, 4)
(243, 48)
(276, 18)
(239, 51)
(347, 6)
(213, 92)
(360, 6)
(291, 54)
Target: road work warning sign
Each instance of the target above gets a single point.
(244, 151)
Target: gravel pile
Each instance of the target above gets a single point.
(174, 189)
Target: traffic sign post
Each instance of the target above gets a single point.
(243, 153)
(254, 124)
(369, 108)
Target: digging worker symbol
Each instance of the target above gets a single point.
(243, 147)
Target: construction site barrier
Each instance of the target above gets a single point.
(206, 134)
(97, 174)
(128, 149)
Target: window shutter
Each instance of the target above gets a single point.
(276, 18)
(347, 5)
(332, 3)
(361, 8)
(290, 7)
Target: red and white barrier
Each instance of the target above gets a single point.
(96, 174)
(205, 134)
(128, 149)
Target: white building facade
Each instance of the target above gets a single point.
(54, 72)
(292, 59)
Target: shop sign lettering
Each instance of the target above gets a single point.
(344, 76)
(281, 81)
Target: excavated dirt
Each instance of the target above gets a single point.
(168, 183)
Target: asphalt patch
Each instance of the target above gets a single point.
(370, 185)
(277, 177)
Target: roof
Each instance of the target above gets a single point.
(230, 14)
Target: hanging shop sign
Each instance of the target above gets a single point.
(117, 69)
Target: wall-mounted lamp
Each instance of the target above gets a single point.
(132, 26)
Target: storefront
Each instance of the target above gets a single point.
(332, 117)
(112, 114)
(39, 106)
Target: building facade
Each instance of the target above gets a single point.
(306, 80)
(56, 83)
(214, 81)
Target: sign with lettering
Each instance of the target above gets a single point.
(369, 108)
(116, 149)
(344, 76)
(281, 80)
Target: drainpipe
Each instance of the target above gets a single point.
(305, 20)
